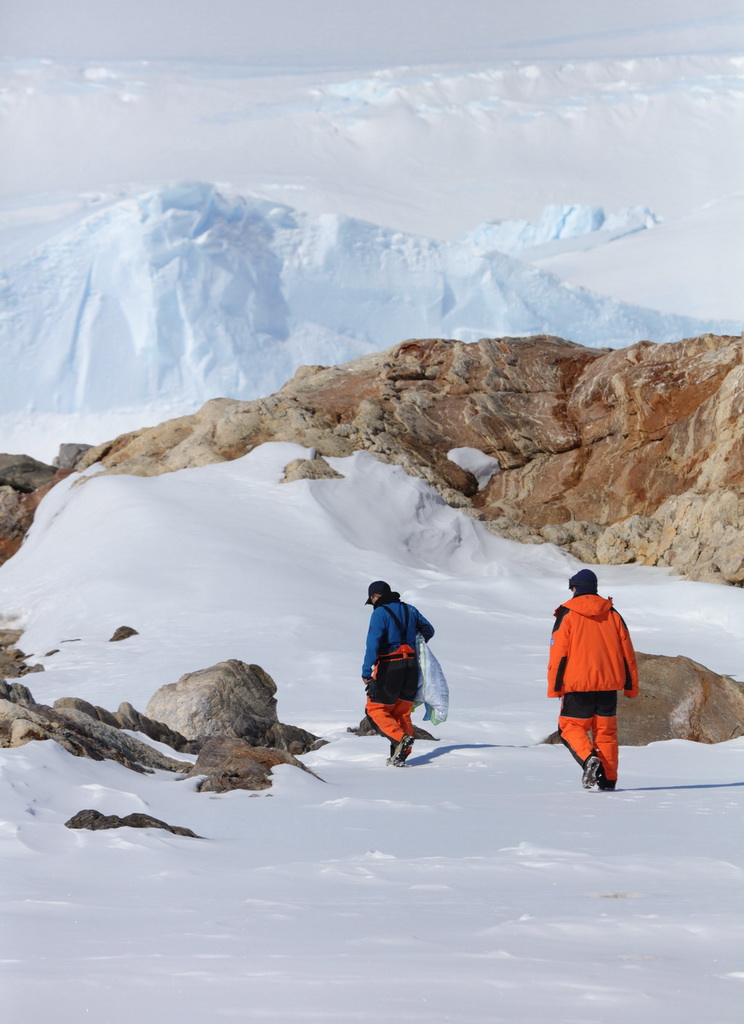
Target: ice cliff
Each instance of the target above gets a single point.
(187, 293)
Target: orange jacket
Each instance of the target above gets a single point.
(590, 649)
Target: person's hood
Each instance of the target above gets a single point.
(592, 606)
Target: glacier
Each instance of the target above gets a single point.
(560, 221)
(189, 292)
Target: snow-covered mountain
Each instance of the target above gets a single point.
(176, 296)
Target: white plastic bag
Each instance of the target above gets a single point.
(432, 690)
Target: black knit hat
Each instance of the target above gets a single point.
(585, 582)
(378, 587)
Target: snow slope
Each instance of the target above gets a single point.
(481, 884)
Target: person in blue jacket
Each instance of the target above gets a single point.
(390, 670)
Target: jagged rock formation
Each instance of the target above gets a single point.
(229, 699)
(679, 699)
(628, 455)
(22, 721)
(127, 717)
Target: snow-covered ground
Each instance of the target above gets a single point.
(480, 884)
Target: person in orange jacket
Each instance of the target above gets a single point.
(591, 659)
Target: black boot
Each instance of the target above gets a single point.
(402, 750)
(592, 769)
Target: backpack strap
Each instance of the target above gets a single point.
(403, 629)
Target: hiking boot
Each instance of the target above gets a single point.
(592, 769)
(606, 785)
(402, 750)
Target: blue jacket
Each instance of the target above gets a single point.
(384, 635)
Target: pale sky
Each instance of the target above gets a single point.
(326, 32)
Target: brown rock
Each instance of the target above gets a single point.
(229, 763)
(680, 699)
(123, 633)
(309, 469)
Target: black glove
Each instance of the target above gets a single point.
(367, 680)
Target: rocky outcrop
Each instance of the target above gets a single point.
(95, 821)
(12, 660)
(628, 455)
(81, 735)
(227, 763)
(127, 717)
(229, 699)
(23, 483)
(228, 712)
(16, 693)
(679, 699)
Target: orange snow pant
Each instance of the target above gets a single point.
(393, 720)
(591, 713)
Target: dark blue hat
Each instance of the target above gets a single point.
(585, 582)
(378, 587)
